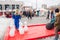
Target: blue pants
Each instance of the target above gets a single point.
(16, 24)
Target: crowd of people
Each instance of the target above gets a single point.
(28, 14)
(52, 14)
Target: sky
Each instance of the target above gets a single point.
(39, 2)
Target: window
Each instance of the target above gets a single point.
(0, 7)
(17, 6)
(13, 6)
(10, 6)
(6, 7)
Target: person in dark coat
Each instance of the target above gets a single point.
(24, 13)
(57, 24)
(29, 14)
(8, 14)
(48, 14)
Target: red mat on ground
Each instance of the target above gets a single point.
(32, 34)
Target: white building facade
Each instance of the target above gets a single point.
(10, 4)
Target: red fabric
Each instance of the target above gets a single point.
(32, 34)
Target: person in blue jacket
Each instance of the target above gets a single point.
(16, 18)
(52, 20)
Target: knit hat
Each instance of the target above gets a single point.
(56, 10)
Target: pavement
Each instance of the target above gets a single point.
(49, 38)
(35, 20)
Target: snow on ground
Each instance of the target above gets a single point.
(4, 24)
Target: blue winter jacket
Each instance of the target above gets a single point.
(16, 20)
